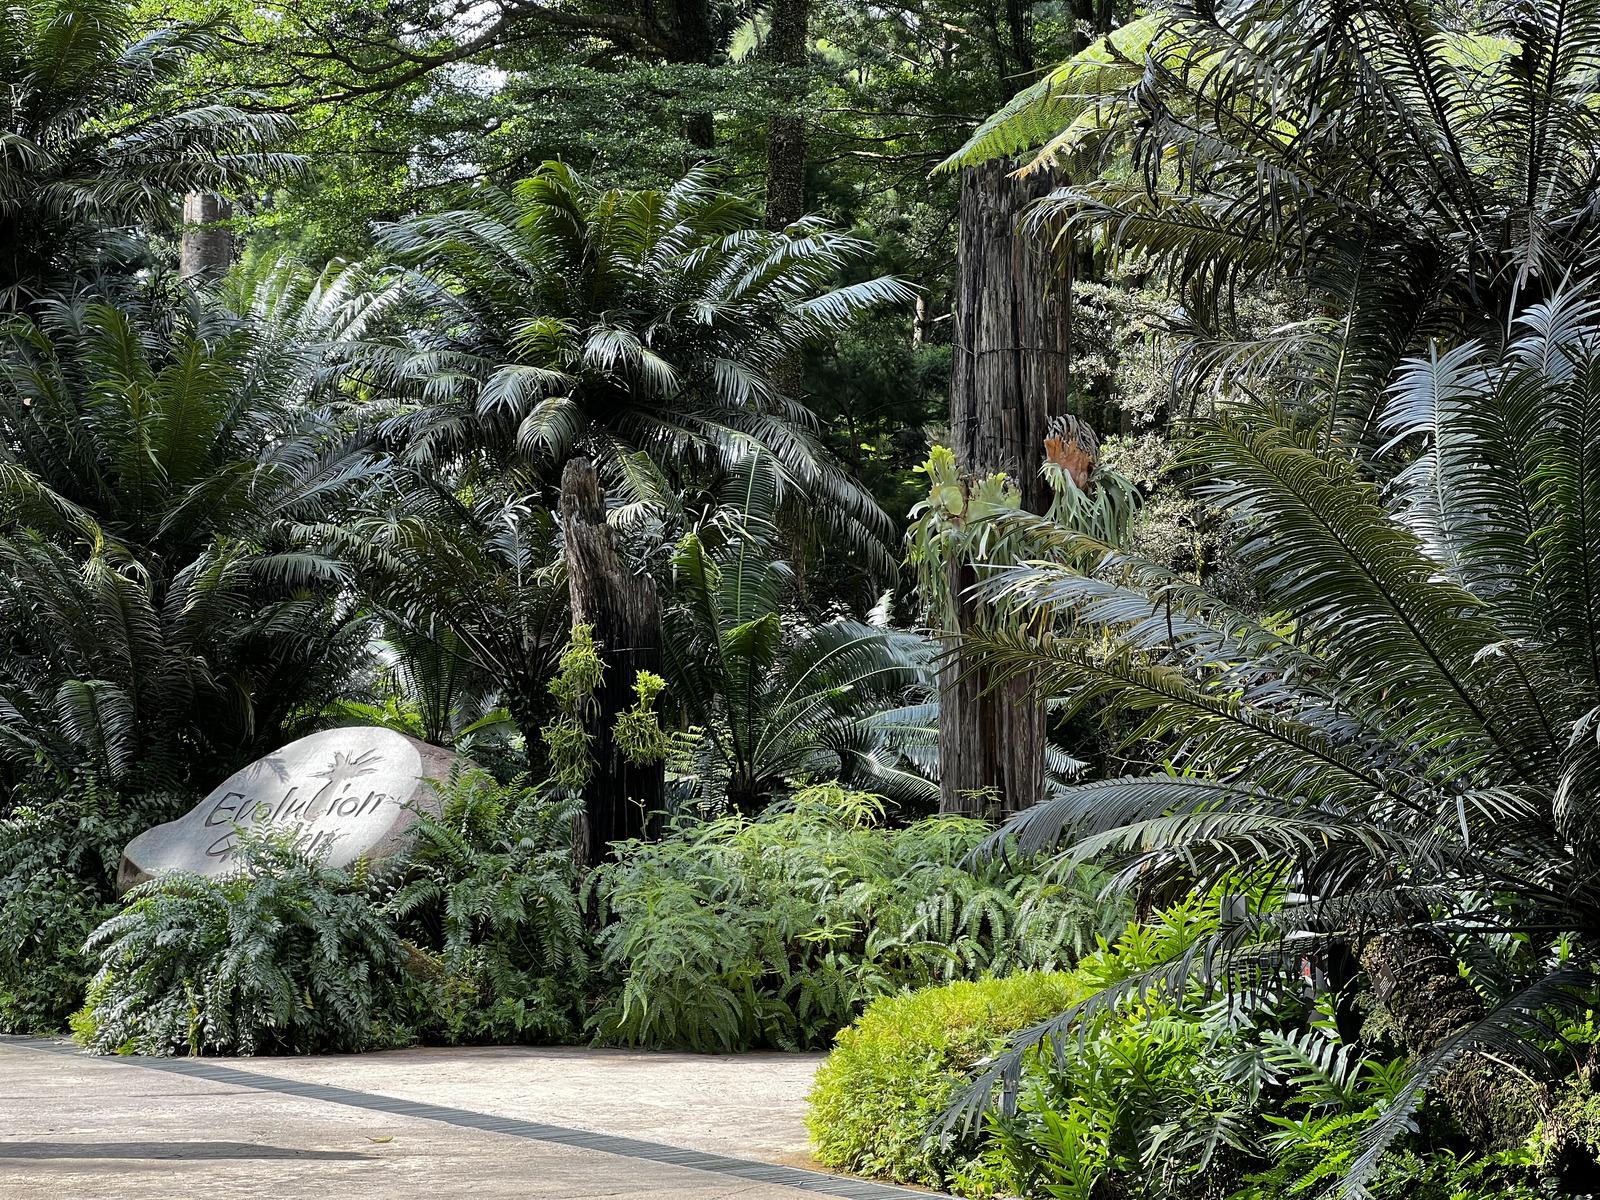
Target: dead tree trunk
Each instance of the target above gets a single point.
(1009, 376)
(207, 249)
(625, 614)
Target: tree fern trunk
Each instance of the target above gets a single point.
(1008, 377)
(1416, 979)
(625, 614)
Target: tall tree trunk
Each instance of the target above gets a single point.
(625, 613)
(788, 45)
(207, 249)
(695, 45)
(1019, 20)
(1009, 375)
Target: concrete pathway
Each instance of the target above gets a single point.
(492, 1123)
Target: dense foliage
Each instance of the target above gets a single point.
(734, 933)
(892, 1074)
(490, 889)
(1403, 742)
(1185, 1095)
(723, 935)
(287, 955)
(535, 314)
(162, 609)
(59, 849)
(1418, 170)
(646, 326)
(771, 700)
(101, 135)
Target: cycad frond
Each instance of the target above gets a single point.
(1407, 731)
(563, 317)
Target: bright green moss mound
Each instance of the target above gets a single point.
(894, 1070)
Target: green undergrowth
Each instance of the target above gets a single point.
(1195, 1096)
(58, 862)
(288, 956)
(489, 893)
(725, 934)
(896, 1069)
(735, 932)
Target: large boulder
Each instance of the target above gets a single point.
(343, 794)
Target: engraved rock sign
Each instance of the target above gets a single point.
(343, 794)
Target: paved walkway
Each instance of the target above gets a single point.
(492, 1123)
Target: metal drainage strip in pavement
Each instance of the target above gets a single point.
(625, 1147)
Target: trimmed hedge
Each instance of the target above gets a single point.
(896, 1069)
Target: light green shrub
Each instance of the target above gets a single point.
(737, 932)
(894, 1071)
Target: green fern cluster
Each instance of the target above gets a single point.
(738, 932)
(490, 889)
(289, 956)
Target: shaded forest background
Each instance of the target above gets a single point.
(834, 109)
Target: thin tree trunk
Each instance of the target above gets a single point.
(787, 48)
(207, 249)
(625, 613)
(1009, 375)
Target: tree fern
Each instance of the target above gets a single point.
(1414, 170)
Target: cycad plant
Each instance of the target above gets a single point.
(472, 579)
(649, 330)
(1420, 168)
(1403, 737)
(771, 696)
(100, 138)
(163, 604)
